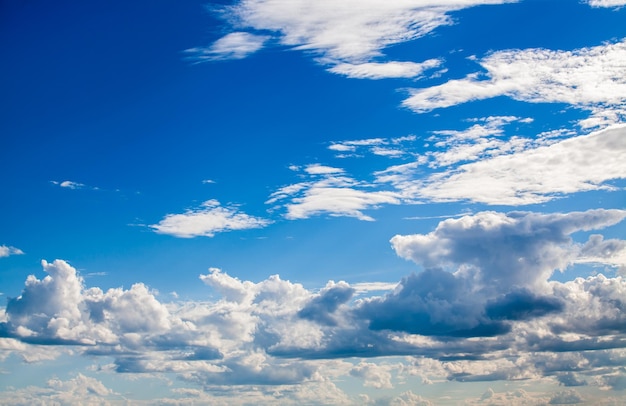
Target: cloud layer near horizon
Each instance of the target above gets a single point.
(485, 275)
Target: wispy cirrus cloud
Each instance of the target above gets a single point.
(330, 192)
(207, 220)
(236, 45)
(386, 70)
(347, 36)
(606, 3)
(592, 79)
(533, 175)
(478, 164)
(6, 250)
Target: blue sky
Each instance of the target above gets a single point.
(333, 202)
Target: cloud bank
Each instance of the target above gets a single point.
(485, 275)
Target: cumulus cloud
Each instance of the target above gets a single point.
(588, 78)
(484, 275)
(6, 251)
(346, 35)
(206, 221)
(78, 390)
(529, 246)
(236, 45)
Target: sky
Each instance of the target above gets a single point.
(398, 202)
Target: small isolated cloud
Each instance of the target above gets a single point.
(236, 45)
(606, 3)
(207, 220)
(386, 70)
(588, 78)
(6, 251)
(68, 184)
(332, 193)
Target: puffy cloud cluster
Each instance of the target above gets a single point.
(484, 276)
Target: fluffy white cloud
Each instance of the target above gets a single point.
(236, 45)
(588, 78)
(347, 35)
(534, 175)
(6, 251)
(209, 219)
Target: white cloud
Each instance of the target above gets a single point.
(529, 246)
(334, 195)
(6, 251)
(375, 376)
(317, 169)
(79, 390)
(68, 184)
(588, 78)
(347, 35)
(275, 333)
(536, 175)
(606, 3)
(372, 70)
(236, 45)
(207, 220)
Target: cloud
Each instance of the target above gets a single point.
(345, 35)
(374, 375)
(68, 184)
(534, 175)
(588, 78)
(606, 3)
(334, 194)
(484, 275)
(79, 390)
(529, 246)
(6, 251)
(207, 220)
(372, 70)
(569, 397)
(236, 45)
